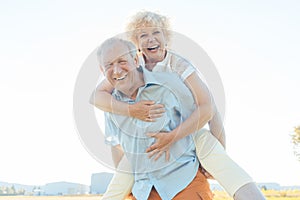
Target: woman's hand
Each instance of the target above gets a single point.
(162, 144)
(146, 110)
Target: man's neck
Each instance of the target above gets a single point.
(132, 92)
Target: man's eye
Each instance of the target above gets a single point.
(156, 32)
(123, 62)
(143, 35)
(107, 67)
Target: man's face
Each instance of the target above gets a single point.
(152, 42)
(119, 66)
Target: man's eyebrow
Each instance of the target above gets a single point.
(122, 58)
(107, 63)
(115, 60)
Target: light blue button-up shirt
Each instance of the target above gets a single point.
(168, 177)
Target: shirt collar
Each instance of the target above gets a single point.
(164, 63)
(149, 79)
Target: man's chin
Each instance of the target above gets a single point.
(120, 88)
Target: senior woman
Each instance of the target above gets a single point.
(150, 33)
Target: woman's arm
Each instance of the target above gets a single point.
(143, 110)
(204, 112)
(217, 128)
(201, 115)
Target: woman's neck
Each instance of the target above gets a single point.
(150, 64)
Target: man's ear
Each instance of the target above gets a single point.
(139, 59)
(101, 69)
(136, 60)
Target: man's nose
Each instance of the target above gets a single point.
(117, 68)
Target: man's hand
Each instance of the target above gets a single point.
(162, 144)
(146, 110)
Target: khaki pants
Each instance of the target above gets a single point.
(121, 184)
(216, 161)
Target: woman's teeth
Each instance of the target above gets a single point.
(153, 48)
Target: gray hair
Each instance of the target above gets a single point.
(112, 42)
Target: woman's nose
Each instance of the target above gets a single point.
(151, 38)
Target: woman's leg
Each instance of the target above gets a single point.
(248, 191)
(215, 160)
(121, 184)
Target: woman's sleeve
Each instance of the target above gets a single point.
(181, 66)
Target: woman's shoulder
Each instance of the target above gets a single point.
(180, 65)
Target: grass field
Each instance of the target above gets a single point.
(270, 195)
(218, 195)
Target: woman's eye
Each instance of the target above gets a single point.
(156, 32)
(123, 62)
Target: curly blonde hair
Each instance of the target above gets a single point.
(148, 19)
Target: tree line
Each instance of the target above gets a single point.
(5, 190)
(296, 141)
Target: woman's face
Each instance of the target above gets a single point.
(152, 42)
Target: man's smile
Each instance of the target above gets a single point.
(121, 78)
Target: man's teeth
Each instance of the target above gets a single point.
(121, 78)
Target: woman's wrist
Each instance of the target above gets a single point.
(131, 111)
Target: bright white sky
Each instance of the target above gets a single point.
(255, 46)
